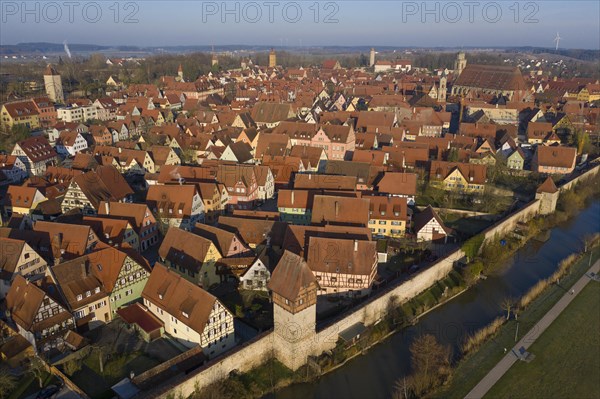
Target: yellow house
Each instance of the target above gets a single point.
(22, 200)
(215, 198)
(20, 113)
(190, 255)
(458, 176)
(591, 92)
(387, 216)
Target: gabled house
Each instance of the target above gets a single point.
(396, 184)
(256, 232)
(342, 267)
(257, 276)
(20, 113)
(122, 272)
(429, 227)
(228, 244)
(270, 114)
(215, 198)
(295, 206)
(238, 152)
(36, 153)
(190, 255)
(70, 143)
(539, 132)
(175, 205)
(59, 241)
(458, 176)
(113, 232)
(554, 160)
(140, 217)
(190, 314)
(21, 200)
(87, 190)
(163, 155)
(18, 258)
(39, 314)
(13, 168)
(82, 292)
(388, 216)
(241, 184)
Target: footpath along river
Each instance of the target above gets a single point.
(373, 374)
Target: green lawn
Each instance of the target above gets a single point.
(97, 384)
(567, 362)
(476, 365)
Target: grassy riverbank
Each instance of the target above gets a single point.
(475, 365)
(562, 368)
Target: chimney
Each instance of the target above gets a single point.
(107, 208)
(120, 150)
(337, 208)
(292, 197)
(355, 245)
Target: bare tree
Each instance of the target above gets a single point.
(507, 304)
(430, 362)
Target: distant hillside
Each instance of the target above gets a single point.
(48, 48)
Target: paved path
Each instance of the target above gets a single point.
(507, 361)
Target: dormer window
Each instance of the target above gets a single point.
(160, 296)
(187, 316)
(79, 297)
(87, 293)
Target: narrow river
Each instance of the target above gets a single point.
(373, 374)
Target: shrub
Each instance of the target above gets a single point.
(474, 341)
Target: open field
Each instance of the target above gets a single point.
(567, 362)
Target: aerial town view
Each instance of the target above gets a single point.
(296, 200)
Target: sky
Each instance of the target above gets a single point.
(304, 23)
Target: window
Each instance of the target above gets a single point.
(79, 297)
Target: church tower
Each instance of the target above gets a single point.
(294, 289)
(442, 89)
(460, 63)
(214, 60)
(272, 59)
(180, 73)
(53, 84)
(372, 57)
